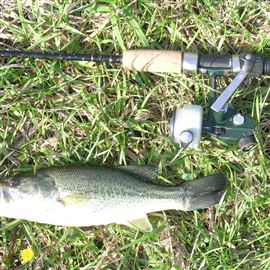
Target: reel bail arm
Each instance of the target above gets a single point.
(251, 65)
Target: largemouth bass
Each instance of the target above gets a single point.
(89, 195)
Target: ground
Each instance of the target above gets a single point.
(57, 112)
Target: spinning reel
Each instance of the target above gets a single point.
(223, 122)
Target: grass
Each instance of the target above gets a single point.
(61, 113)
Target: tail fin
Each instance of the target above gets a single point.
(205, 192)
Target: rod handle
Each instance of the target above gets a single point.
(153, 60)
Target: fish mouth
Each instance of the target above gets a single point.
(5, 195)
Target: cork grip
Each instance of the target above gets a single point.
(153, 60)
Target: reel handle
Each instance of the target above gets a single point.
(266, 66)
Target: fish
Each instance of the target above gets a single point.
(85, 195)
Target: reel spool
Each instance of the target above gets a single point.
(186, 126)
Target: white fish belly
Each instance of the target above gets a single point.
(52, 211)
(34, 207)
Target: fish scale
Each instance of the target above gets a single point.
(93, 195)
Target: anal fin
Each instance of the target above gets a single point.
(142, 223)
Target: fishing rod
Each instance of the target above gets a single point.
(187, 123)
(156, 60)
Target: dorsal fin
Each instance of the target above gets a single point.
(146, 172)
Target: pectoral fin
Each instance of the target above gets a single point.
(141, 223)
(72, 199)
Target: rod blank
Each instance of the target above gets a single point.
(63, 56)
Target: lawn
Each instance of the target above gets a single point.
(60, 112)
